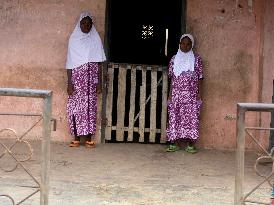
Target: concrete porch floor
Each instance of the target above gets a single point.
(133, 174)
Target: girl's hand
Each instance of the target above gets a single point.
(169, 101)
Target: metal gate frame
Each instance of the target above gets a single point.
(46, 132)
(239, 197)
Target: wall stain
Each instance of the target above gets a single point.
(242, 67)
(9, 12)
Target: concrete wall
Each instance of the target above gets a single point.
(268, 60)
(228, 39)
(34, 36)
(235, 42)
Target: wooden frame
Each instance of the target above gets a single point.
(147, 101)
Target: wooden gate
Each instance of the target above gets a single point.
(136, 103)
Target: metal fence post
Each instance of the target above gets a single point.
(45, 166)
(45, 150)
(238, 197)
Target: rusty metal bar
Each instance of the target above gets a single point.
(239, 176)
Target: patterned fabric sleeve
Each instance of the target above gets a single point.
(170, 67)
(199, 67)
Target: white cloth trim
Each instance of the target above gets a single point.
(84, 47)
(184, 61)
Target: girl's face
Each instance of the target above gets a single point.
(185, 44)
(86, 24)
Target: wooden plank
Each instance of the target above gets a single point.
(104, 69)
(139, 67)
(98, 119)
(153, 102)
(142, 106)
(148, 67)
(99, 110)
(164, 106)
(121, 102)
(136, 129)
(109, 102)
(132, 103)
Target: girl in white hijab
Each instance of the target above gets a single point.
(85, 52)
(185, 72)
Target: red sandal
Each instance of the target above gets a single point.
(74, 143)
(90, 144)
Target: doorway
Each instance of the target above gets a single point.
(144, 31)
(141, 38)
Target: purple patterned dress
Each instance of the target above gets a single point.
(184, 108)
(82, 105)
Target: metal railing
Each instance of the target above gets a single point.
(239, 197)
(43, 185)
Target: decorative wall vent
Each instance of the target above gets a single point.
(147, 32)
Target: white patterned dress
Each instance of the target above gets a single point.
(82, 105)
(184, 108)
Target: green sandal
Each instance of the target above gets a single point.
(172, 148)
(191, 149)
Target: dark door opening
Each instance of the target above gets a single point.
(137, 31)
(145, 32)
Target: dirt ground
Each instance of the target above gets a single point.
(131, 174)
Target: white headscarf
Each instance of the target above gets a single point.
(184, 61)
(84, 47)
